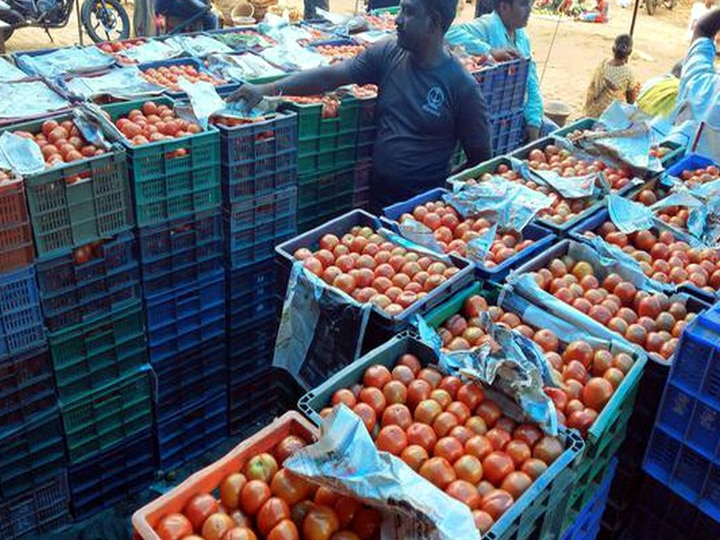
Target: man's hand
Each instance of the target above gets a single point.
(505, 54)
(251, 94)
(532, 133)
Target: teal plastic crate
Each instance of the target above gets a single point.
(312, 125)
(171, 178)
(325, 188)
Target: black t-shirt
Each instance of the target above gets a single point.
(421, 113)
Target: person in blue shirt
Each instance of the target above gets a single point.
(502, 34)
(427, 102)
(187, 9)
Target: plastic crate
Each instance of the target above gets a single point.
(39, 510)
(504, 85)
(253, 227)
(251, 349)
(74, 291)
(111, 476)
(209, 478)
(184, 318)
(690, 162)
(168, 186)
(586, 525)
(31, 454)
(105, 417)
(194, 62)
(251, 294)
(21, 321)
(541, 236)
(88, 356)
(181, 251)
(197, 374)
(342, 225)
(541, 507)
(311, 124)
(219, 35)
(317, 215)
(366, 143)
(242, 181)
(26, 388)
(192, 431)
(508, 131)
(622, 498)
(363, 175)
(16, 243)
(325, 187)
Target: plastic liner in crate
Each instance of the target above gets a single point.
(586, 525)
(324, 188)
(508, 131)
(181, 380)
(184, 318)
(342, 225)
(540, 508)
(181, 251)
(457, 181)
(208, 479)
(254, 227)
(89, 356)
(252, 345)
(107, 416)
(40, 510)
(541, 237)
(251, 294)
(31, 454)
(91, 282)
(192, 430)
(192, 62)
(504, 85)
(112, 475)
(171, 178)
(21, 320)
(312, 124)
(26, 387)
(16, 241)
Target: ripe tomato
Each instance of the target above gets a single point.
(548, 449)
(465, 492)
(534, 468)
(374, 397)
(367, 523)
(438, 471)
(496, 466)
(377, 376)
(367, 415)
(489, 411)
(199, 508)
(460, 411)
(392, 439)
(174, 527)
(230, 489)
(411, 361)
(449, 448)
(519, 452)
(496, 503)
(403, 374)
(422, 435)
(444, 423)
(288, 446)
(414, 456)
(395, 392)
(516, 483)
(596, 393)
(427, 411)
(289, 487)
(346, 508)
(253, 496)
(261, 467)
(285, 530)
(468, 468)
(271, 513)
(239, 533)
(498, 438)
(483, 521)
(320, 523)
(479, 446)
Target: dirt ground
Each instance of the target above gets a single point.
(566, 52)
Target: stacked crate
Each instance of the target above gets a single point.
(367, 132)
(259, 178)
(326, 160)
(176, 193)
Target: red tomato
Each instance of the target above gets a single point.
(496, 466)
(271, 513)
(320, 523)
(199, 508)
(230, 489)
(174, 527)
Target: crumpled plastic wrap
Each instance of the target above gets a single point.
(203, 98)
(629, 216)
(419, 235)
(126, 83)
(35, 97)
(321, 329)
(292, 57)
(9, 73)
(65, 60)
(153, 51)
(198, 45)
(20, 155)
(345, 459)
(574, 187)
(241, 67)
(704, 223)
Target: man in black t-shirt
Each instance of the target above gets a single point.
(427, 102)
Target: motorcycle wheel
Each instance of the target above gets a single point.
(13, 18)
(105, 20)
(651, 6)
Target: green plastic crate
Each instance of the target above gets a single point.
(66, 213)
(312, 125)
(92, 354)
(105, 417)
(538, 513)
(325, 188)
(166, 187)
(316, 215)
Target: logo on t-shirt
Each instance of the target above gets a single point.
(434, 100)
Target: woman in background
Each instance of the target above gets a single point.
(613, 80)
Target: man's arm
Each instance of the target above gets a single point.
(708, 25)
(533, 104)
(473, 123)
(475, 37)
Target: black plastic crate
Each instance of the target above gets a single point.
(251, 294)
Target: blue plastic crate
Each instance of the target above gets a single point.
(21, 320)
(541, 236)
(112, 475)
(180, 252)
(508, 131)
(76, 288)
(31, 454)
(690, 162)
(192, 431)
(26, 387)
(504, 85)
(251, 350)
(254, 227)
(251, 294)
(185, 61)
(188, 377)
(185, 317)
(40, 510)
(587, 523)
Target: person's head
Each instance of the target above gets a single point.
(709, 4)
(424, 22)
(622, 48)
(514, 13)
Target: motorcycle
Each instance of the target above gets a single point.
(652, 5)
(104, 20)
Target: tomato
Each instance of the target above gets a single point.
(375, 398)
(320, 523)
(498, 438)
(414, 456)
(395, 392)
(444, 423)
(548, 449)
(216, 525)
(344, 535)
(496, 503)
(580, 351)
(272, 512)
(199, 508)
(239, 533)
(462, 434)
(299, 511)
(326, 496)
(483, 521)
(519, 452)
(346, 508)
(422, 435)
(479, 446)
(489, 411)
(516, 483)
(377, 376)
(427, 411)
(392, 439)
(285, 530)
(442, 397)
(534, 468)
(468, 468)
(596, 393)
(240, 519)
(398, 415)
(81, 255)
(289, 445)
(465, 492)
(174, 527)
(367, 415)
(261, 467)
(460, 411)
(449, 448)
(289, 487)
(367, 523)
(476, 425)
(230, 490)
(582, 420)
(403, 374)
(451, 385)
(430, 375)
(438, 471)
(253, 496)
(496, 466)
(417, 391)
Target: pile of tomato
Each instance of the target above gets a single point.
(368, 267)
(265, 500)
(330, 104)
(169, 76)
(451, 434)
(700, 176)
(154, 123)
(338, 53)
(61, 142)
(116, 48)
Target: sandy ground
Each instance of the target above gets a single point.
(566, 52)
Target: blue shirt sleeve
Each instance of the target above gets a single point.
(473, 36)
(698, 72)
(533, 98)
